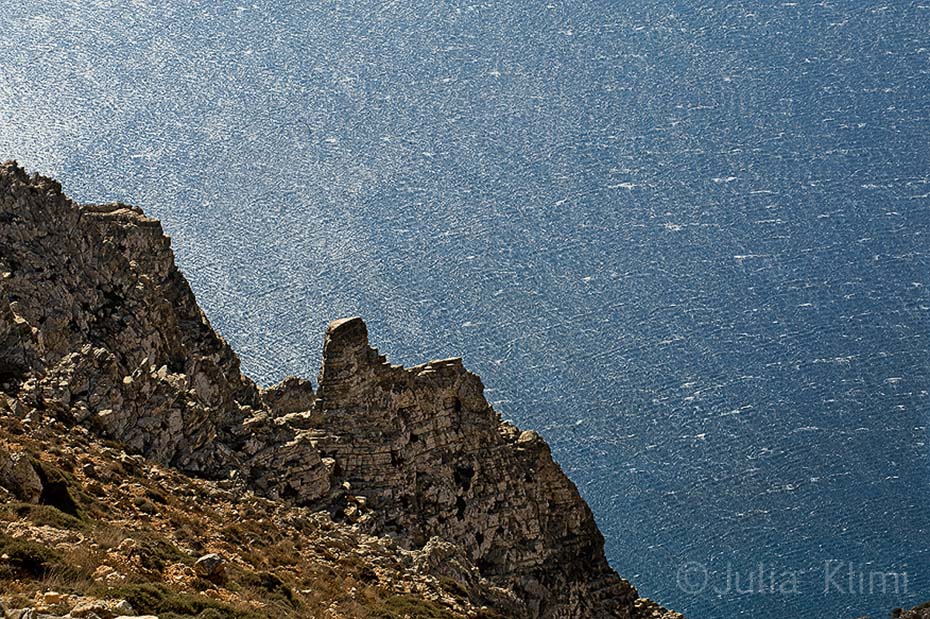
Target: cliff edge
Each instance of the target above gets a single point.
(103, 346)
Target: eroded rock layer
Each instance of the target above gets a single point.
(98, 328)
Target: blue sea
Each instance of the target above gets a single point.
(689, 242)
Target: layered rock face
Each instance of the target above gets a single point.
(431, 457)
(99, 328)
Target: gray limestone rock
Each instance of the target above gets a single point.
(19, 477)
(99, 328)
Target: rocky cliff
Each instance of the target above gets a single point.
(100, 335)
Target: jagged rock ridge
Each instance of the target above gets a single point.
(99, 328)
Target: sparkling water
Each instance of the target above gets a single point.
(687, 241)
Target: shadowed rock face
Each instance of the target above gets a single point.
(99, 328)
(431, 457)
(921, 612)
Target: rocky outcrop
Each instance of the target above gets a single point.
(431, 457)
(98, 328)
(920, 612)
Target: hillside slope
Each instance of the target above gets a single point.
(131, 444)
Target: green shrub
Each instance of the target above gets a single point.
(47, 515)
(155, 553)
(26, 559)
(406, 606)
(58, 488)
(269, 587)
(157, 599)
(454, 587)
(144, 505)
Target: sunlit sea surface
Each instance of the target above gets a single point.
(687, 241)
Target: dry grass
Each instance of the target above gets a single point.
(120, 531)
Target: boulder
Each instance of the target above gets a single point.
(211, 567)
(19, 476)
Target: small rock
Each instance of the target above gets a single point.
(90, 608)
(52, 598)
(122, 607)
(211, 567)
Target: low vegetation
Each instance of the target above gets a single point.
(111, 526)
